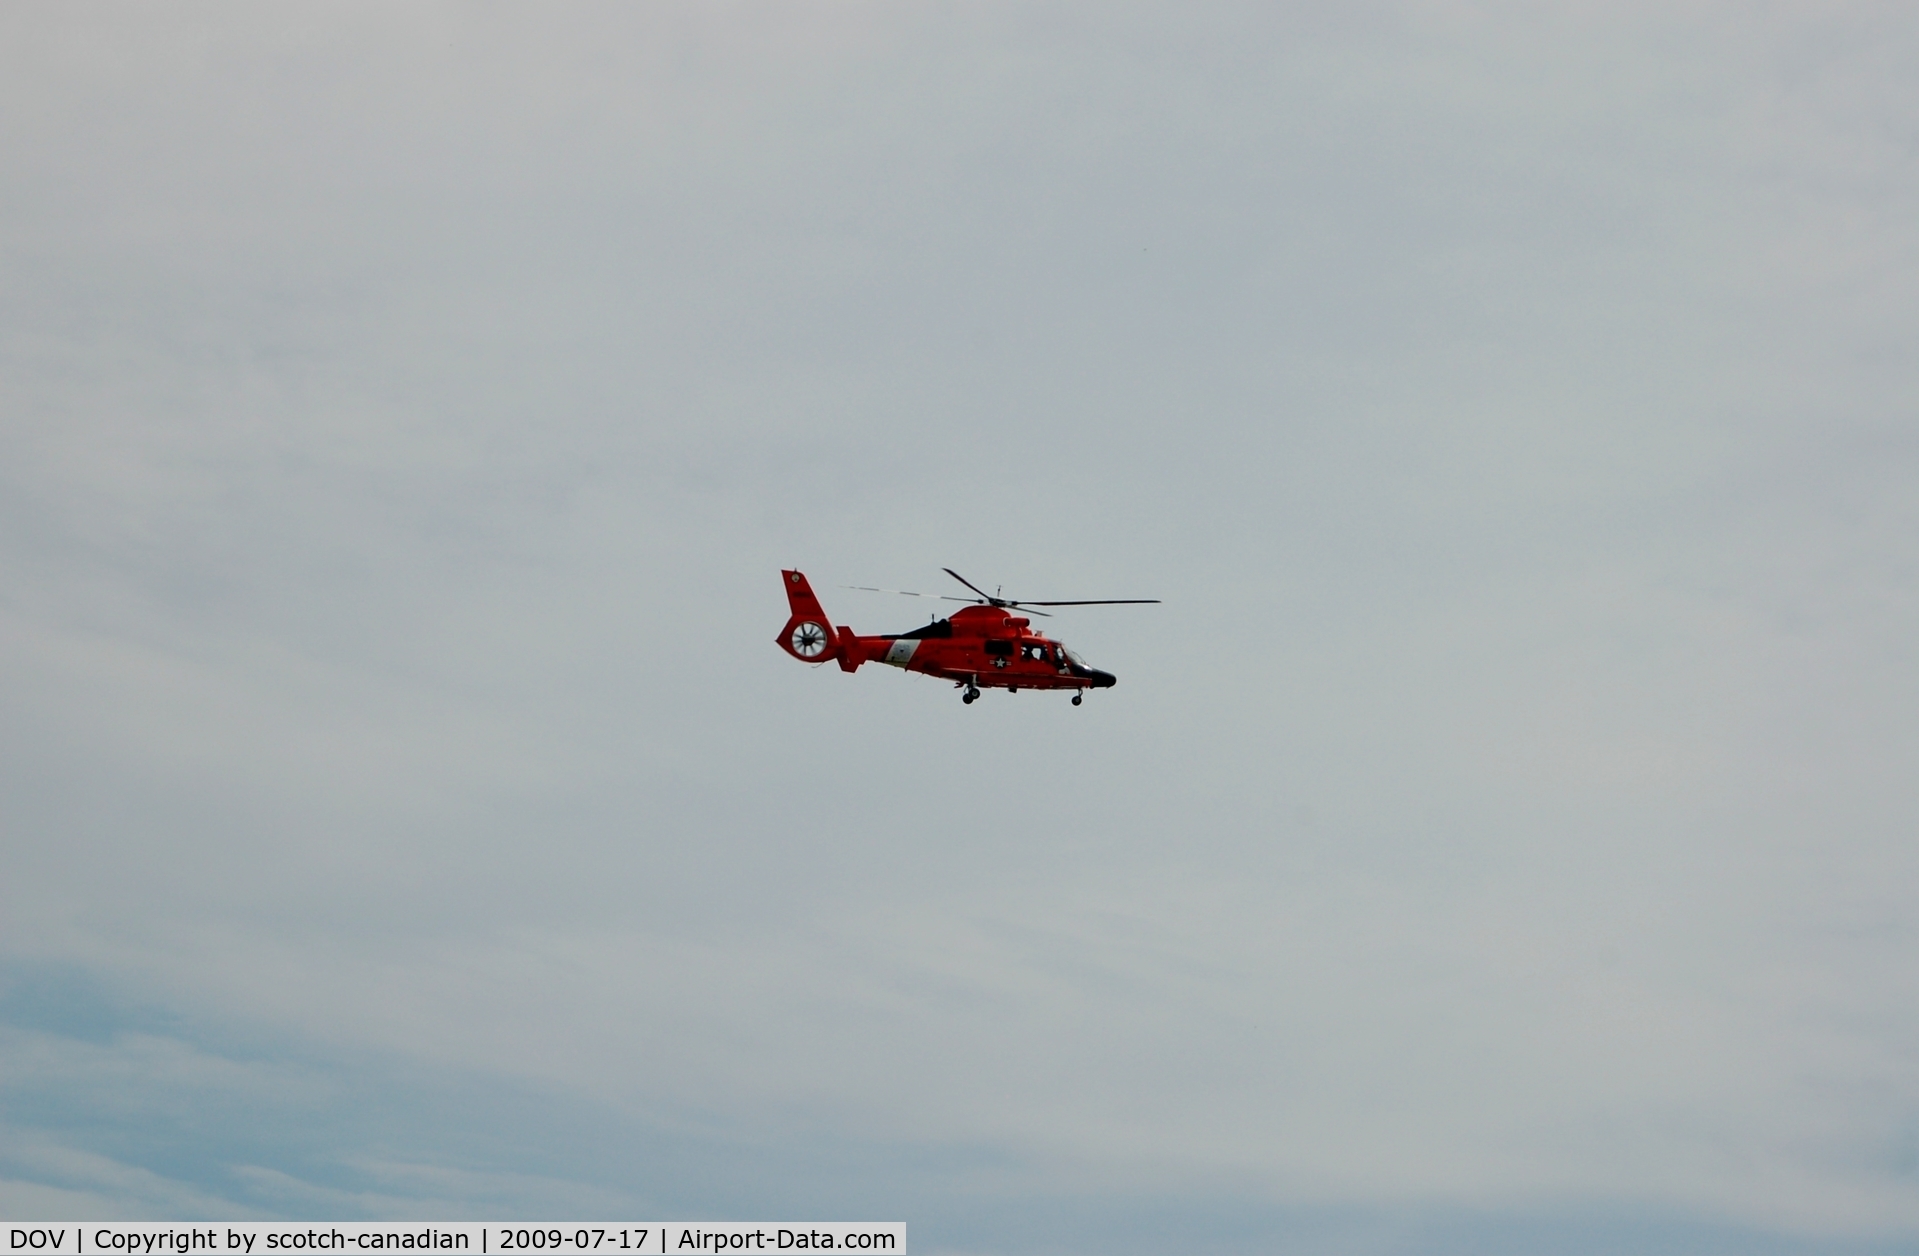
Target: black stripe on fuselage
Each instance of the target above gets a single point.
(939, 628)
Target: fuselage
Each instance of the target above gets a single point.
(983, 644)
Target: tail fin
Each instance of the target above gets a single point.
(807, 635)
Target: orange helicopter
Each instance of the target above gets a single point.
(985, 646)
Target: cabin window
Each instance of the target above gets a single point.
(1034, 653)
(1003, 649)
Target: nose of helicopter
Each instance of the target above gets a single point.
(1101, 680)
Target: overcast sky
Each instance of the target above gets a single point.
(1501, 839)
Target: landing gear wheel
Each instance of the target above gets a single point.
(969, 697)
(1078, 698)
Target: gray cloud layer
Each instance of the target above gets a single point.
(406, 414)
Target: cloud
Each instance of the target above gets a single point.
(1503, 822)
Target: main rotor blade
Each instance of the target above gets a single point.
(990, 599)
(1098, 601)
(863, 588)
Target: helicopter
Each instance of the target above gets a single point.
(985, 646)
